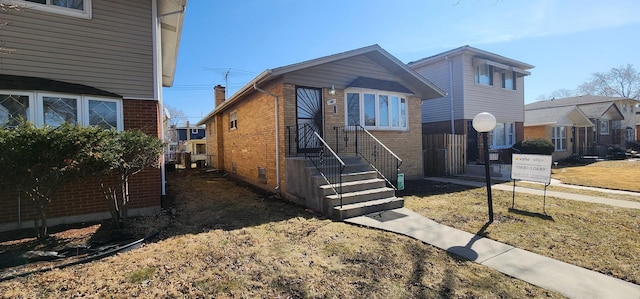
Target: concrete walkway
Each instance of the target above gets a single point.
(565, 195)
(548, 273)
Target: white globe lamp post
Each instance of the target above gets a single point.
(484, 122)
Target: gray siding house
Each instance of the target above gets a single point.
(92, 63)
(475, 81)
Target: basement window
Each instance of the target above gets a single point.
(262, 175)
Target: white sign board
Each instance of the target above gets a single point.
(535, 168)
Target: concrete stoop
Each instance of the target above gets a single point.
(362, 192)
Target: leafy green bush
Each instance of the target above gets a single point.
(539, 146)
(122, 155)
(39, 161)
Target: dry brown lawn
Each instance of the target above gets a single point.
(228, 241)
(597, 237)
(619, 175)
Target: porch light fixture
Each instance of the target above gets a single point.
(484, 122)
(332, 91)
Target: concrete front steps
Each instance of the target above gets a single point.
(362, 192)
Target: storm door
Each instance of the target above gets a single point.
(309, 117)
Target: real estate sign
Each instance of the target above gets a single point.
(535, 168)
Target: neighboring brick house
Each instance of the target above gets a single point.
(475, 81)
(90, 62)
(384, 97)
(583, 125)
(559, 125)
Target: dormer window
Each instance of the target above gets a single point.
(74, 8)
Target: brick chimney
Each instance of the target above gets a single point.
(219, 94)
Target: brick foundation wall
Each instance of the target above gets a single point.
(84, 196)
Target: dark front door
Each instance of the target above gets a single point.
(309, 117)
(473, 152)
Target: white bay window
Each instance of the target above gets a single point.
(53, 109)
(377, 110)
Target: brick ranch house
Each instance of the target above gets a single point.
(363, 104)
(90, 62)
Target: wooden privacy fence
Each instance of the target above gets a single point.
(443, 154)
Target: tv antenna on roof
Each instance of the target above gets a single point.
(227, 73)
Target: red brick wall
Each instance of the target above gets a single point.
(84, 197)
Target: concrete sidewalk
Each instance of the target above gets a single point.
(551, 274)
(565, 195)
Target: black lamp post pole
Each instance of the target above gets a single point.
(487, 174)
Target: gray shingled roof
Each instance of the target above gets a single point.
(568, 115)
(572, 101)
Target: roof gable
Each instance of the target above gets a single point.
(370, 83)
(562, 116)
(375, 53)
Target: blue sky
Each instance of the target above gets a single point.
(565, 40)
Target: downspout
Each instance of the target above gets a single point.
(453, 128)
(255, 86)
(157, 77)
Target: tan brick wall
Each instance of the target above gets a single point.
(534, 132)
(252, 144)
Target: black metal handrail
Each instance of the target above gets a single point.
(358, 140)
(321, 155)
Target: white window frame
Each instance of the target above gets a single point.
(56, 9)
(509, 131)
(559, 138)
(513, 85)
(477, 74)
(194, 131)
(40, 106)
(31, 113)
(603, 127)
(233, 120)
(85, 110)
(378, 93)
(35, 112)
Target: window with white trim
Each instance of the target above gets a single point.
(559, 138)
(54, 109)
(233, 120)
(509, 80)
(604, 127)
(484, 74)
(503, 135)
(376, 109)
(74, 8)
